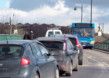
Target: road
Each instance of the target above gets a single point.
(96, 65)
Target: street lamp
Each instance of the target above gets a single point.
(81, 10)
(91, 12)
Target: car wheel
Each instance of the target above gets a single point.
(76, 68)
(35, 75)
(69, 73)
(80, 62)
(57, 73)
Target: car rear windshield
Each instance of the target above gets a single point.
(10, 51)
(50, 33)
(53, 45)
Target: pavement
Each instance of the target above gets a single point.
(96, 65)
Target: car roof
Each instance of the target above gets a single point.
(60, 39)
(16, 42)
(67, 35)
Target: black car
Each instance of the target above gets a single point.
(26, 59)
(63, 50)
(75, 41)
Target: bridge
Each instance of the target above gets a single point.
(102, 43)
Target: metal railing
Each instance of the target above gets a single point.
(102, 46)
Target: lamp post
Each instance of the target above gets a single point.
(81, 10)
(91, 12)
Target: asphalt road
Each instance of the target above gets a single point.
(96, 65)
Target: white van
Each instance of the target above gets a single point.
(52, 32)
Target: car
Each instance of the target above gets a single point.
(53, 32)
(75, 41)
(63, 50)
(26, 59)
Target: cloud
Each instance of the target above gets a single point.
(37, 15)
(59, 13)
(58, 9)
(28, 5)
(96, 3)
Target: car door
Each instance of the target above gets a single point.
(49, 65)
(40, 60)
(73, 53)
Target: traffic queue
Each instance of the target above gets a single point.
(45, 57)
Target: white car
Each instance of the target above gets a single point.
(52, 32)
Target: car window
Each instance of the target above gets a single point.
(57, 32)
(28, 51)
(50, 33)
(43, 49)
(10, 51)
(69, 45)
(73, 41)
(35, 48)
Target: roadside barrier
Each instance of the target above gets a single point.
(102, 46)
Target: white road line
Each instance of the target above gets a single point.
(102, 64)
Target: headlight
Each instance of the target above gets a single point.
(92, 42)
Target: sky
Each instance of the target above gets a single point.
(59, 12)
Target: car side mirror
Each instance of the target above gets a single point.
(74, 48)
(47, 54)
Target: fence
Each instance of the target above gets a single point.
(102, 46)
(10, 37)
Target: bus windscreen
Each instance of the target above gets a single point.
(83, 25)
(84, 32)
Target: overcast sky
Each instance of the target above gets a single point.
(60, 12)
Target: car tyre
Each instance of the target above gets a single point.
(69, 73)
(35, 75)
(80, 62)
(76, 68)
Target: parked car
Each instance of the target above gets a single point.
(75, 41)
(63, 50)
(26, 59)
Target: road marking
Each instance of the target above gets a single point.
(101, 64)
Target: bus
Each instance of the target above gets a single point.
(85, 33)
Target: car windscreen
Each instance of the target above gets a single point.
(10, 51)
(53, 45)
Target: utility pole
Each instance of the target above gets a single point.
(10, 23)
(81, 11)
(91, 11)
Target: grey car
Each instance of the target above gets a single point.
(63, 50)
(75, 41)
(26, 59)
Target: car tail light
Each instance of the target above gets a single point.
(24, 61)
(65, 46)
(77, 44)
